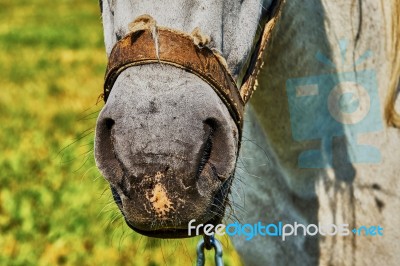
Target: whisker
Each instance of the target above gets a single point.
(87, 117)
(84, 134)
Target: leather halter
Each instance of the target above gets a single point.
(178, 49)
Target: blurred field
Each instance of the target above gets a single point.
(55, 208)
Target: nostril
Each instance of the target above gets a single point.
(211, 123)
(216, 149)
(116, 196)
(205, 155)
(109, 123)
(210, 127)
(105, 154)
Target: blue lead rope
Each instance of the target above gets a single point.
(218, 252)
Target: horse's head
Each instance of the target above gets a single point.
(165, 140)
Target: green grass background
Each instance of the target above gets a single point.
(55, 207)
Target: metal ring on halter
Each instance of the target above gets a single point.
(218, 252)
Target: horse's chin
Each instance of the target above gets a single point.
(162, 233)
(172, 232)
(176, 225)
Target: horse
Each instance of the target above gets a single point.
(315, 145)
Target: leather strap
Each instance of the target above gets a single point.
(177, 49)
(250, 84)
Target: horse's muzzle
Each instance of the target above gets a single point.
(167, 145)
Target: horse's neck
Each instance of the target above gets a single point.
(347, 166)
(328, 42)
(331, 37)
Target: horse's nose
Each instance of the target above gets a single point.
(166, 143)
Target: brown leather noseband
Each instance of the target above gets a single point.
(178, 49)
